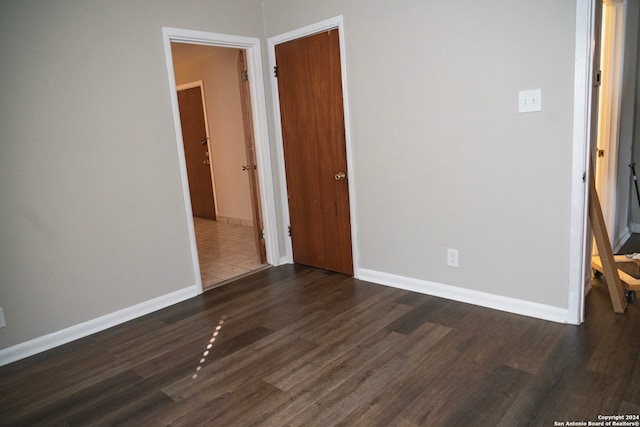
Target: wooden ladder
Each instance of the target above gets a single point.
(607, 260)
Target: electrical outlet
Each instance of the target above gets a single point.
(452, 257)
(529, 101)
(2, 322)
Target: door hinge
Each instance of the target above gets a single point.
(245, 75)
(261, 234)
(275, 72)
(289, 231)
(584, 177)
(600, 152)
(597, 79)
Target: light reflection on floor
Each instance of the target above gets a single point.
(216, 331)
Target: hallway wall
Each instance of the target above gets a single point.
(218, 70)
(628, 206)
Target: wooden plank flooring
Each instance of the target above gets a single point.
(296, 346)
(632, 245)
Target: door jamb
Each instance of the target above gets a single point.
(258, 108)
(328, 24)
(200, 84)
(579, 259)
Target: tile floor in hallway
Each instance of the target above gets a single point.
(226, 251)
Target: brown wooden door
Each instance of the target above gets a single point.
(311, 108)
(247, 120)
(196, 152)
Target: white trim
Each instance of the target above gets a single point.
(200, 84)
(328, 24)
(579, 260)
(81, 330)
(496, 302)
(284, 204)
(235, 220)
(261, 134)
(621, 239)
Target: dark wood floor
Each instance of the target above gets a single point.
(303, 347)
(632, 245)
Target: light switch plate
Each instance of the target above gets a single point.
(452, 257)
(529, 101)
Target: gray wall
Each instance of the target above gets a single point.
(442, 157)
(92, 217)
(627, 208)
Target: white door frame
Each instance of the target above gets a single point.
(579, 259)
(326, 25)
(200, 84)
(258, 110)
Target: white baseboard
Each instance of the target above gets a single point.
(621, 239)
(81, 330)
(235, 221)
(634, 227)
(284, 260)
(497, 302)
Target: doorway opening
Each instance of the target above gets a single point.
(209, 99)
(613, 151)
(220, 120)
(613, 124)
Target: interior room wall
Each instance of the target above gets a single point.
(624, 196)
(630, 121)
(219, 72)
(442, 157)
(92, 218)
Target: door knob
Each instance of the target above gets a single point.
(340, 176)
